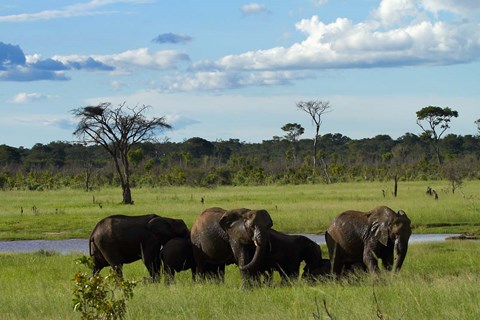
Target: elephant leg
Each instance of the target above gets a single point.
(215, 272)
(200, 264)
(98, 265)
(151, 260)
(169, 275)
(268, 277)
(336, 261)
(370, 260)
(118, 270)
(388, 261)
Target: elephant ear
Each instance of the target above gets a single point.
(258, 217)
(379, 230)
(229, 218)
(158, 225)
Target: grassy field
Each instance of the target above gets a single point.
(438, 281)
(66, 214)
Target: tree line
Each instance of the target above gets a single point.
(117, 148)
(199, 162)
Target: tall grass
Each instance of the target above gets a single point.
(438, 281)
(294, 208)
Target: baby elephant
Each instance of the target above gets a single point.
(287, 252)
(177, 255)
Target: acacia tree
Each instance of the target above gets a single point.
(477, 123)
(117, 130)
(438, 120)
(316, 108)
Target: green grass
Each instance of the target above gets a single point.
(438, 281)
(67, 214)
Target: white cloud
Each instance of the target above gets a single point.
(345, 44)
(24, 97)
(118, 85)
(221, 80)
(127, 60)
(74, 10)
(392, 12)
(253, 8)
(319, 3)
(463, 7)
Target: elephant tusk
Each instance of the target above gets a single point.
(255, 242)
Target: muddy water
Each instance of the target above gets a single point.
(81, 245)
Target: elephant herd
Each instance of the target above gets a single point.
(219, 237)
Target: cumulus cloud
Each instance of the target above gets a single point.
(10, 55)
(16, 66)
(172, 38)
(253, 8)
(419, 40)
(464, 7)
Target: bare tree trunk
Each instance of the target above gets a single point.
(88, 173)
(315, 143)
(437, 150)
(127, 194)
(325, 172)
(395, 187)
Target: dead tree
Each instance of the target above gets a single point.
(316, 109)
(117, 130)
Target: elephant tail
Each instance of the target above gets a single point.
(332, 249)
(91, 245)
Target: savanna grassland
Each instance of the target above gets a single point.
(438, 280)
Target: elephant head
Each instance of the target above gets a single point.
(386, 225)
(246, 227)
(165, 229)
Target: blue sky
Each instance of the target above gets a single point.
(236, 69)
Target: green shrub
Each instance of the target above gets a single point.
(98, 297)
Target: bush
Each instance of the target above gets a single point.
(98, 297)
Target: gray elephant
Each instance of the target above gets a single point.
(176, 256)
(287, 252)
(361, 238)
(221, 237)
(120, 239)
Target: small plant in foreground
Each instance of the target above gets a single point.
(98, 297)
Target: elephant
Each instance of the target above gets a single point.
(177, 255)
(286, 253)
(361, 238)
(221, 237)
(121, 239)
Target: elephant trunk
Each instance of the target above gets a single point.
(401, 248)
(261, 241)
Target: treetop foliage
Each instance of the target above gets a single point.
(199, 162)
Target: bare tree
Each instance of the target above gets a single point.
(316, 108)
(117, 130)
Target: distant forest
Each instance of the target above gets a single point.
(198, 162)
